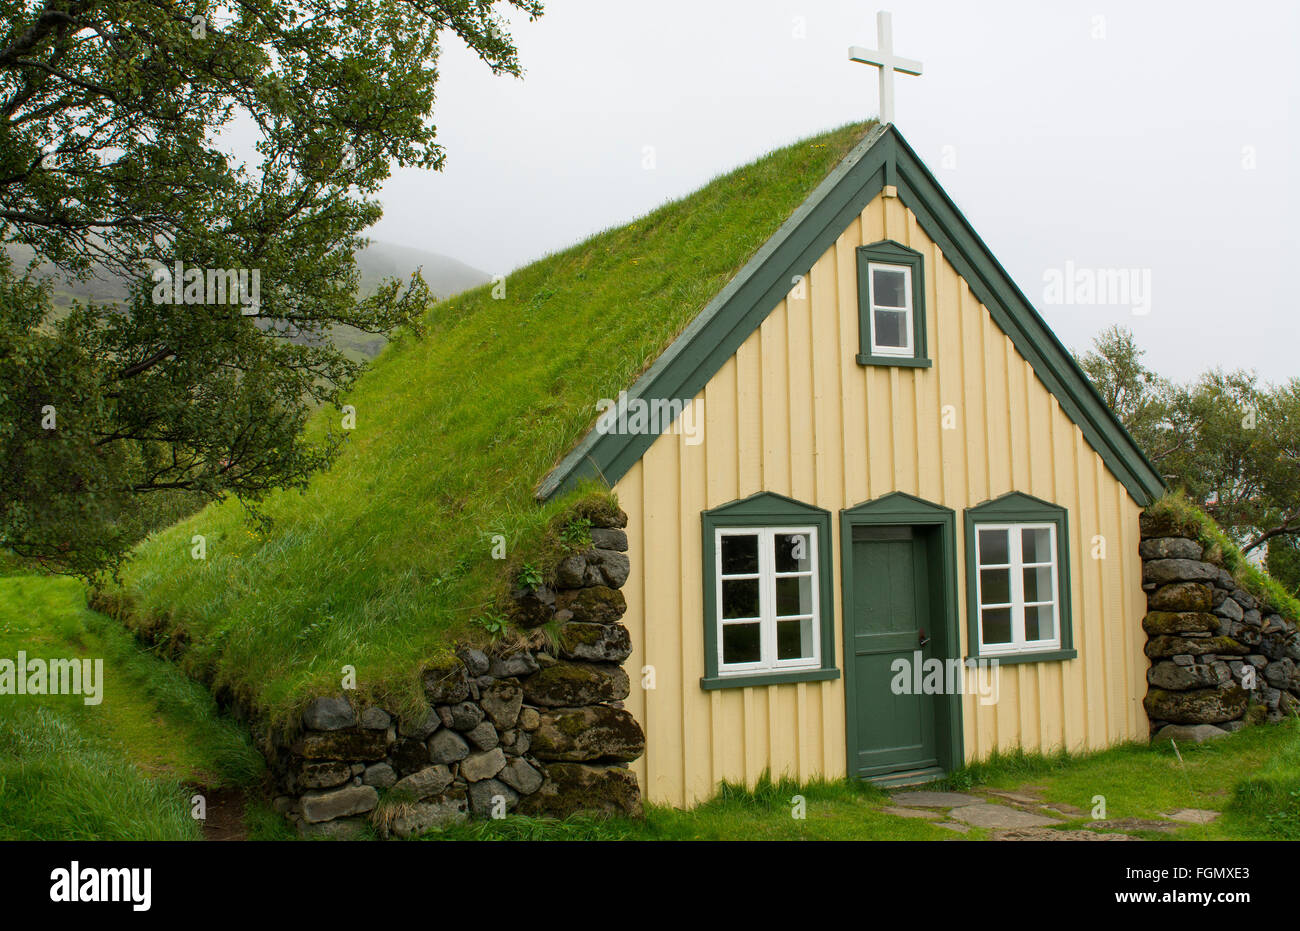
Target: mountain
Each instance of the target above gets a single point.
(444, 275)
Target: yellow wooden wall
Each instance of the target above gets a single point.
(792, 412)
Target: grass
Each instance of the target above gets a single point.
(385, 559)
(117, 770)
(831, 811)
(1266, 804)
(58, 783)
(1148, 782)
(1252, 778)
(121, 769)
(1177, 513)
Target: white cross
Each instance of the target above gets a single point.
(887, 62)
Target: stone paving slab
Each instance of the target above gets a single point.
(955, 826)
(988, 815)
(924, 799)
(1132, 824)
(1017, 798)
(1194, 815)
(911, 813)
(1066, 811)
(1049, 834)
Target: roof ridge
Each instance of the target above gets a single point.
(579, 462)
(881, 158)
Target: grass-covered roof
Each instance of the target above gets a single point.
(386, 559)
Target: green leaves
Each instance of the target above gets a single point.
(1231, 443)
(112, 160)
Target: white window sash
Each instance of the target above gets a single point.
(907, 311)
(1016, 567)
(767, 620)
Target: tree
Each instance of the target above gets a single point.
(115, 123)
(1138, 396)
(1231, 444)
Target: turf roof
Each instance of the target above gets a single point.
(386, 559)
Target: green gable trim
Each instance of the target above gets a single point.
(901, 509)
(1015, 316)
(767, 509)
(889, 252)
(1011, 508)
(708, 341)
(703, 347)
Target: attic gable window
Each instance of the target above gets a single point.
(891, 306)
(767, 593)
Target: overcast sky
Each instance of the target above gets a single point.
(1107, 135)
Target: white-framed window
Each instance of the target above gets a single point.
(768, 614)
(891, 309)
(1017, 588)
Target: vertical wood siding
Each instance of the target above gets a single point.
(792, 412)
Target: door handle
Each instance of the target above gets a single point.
(922, 639)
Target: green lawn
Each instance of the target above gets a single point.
(120, 769)
(1252, 778)
(113, 771)
(386, 558)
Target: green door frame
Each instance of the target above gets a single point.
(901, 509)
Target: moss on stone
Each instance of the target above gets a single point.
(1196, 706)
(1182, 596)
(572, 635)
(1174, 515)
(600, 510)
(598, 604)
(570, 684)
(1167, 645)
(1179, 622)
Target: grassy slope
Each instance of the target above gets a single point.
(385, 558)
(1176, 511)
(116, 770)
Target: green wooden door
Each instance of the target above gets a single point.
(892, 619)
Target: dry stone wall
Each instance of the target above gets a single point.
(1219, 658)
(538, 728)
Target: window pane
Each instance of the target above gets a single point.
(740, 597)
(1038, 584)
(794, 595)
(889, 328)
(993, 547)
(793, 552)
(995, 586)
(887, 288)
(740, 643)
(794, 639)
(1036, 545)
(739, 554)
(997, 625)
(1040, 623)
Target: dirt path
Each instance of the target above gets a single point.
(225, 813)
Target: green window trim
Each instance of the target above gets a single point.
(709, 683)
(888, 252)
(1015, 508)
(759, 511)
(1013, 659)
